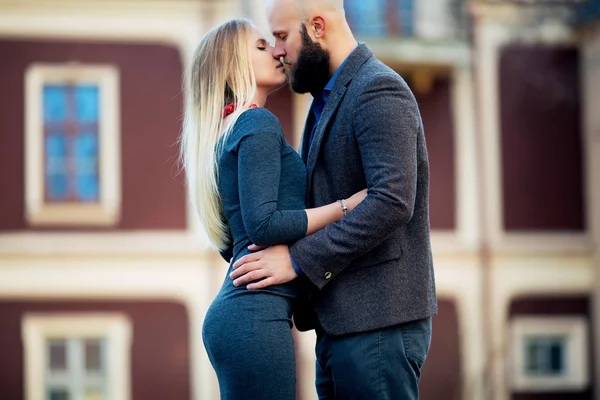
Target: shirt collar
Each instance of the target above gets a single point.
(329, 87)
(331, 83)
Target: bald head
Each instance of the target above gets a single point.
(309, 7)
(326, 15)
(322, 22)
(305, 9)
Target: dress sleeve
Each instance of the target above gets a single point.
(259, 170)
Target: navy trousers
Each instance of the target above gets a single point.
(376, 365)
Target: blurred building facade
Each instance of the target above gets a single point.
(104, 278)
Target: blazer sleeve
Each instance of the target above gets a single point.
(386, 123)
(259, 171)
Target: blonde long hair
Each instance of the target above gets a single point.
(221, 74)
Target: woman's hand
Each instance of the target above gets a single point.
(356, 199)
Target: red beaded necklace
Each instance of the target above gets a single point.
(230, 108)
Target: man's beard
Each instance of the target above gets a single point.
(310, 73)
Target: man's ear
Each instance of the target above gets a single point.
(317, 26)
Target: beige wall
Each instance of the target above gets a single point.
(590, 55)
(517, 264)
(520, 264)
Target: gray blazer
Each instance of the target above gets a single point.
(373, 268)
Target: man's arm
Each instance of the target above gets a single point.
(386, 123)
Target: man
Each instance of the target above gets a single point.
(369, 278)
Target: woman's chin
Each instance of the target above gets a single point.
(278, 85)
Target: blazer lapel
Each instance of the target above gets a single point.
(334, 101)
(310, 118)
(356, 59)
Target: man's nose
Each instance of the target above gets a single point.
(279, 51)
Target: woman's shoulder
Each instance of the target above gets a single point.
(257, 121)
(258, 118)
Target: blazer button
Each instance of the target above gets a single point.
(327, 275)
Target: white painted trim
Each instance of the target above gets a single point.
(433, 20)
(541, 275)
(590, 87)
(459, 279)
(107, 212)
(544, 242)
(301, 106)
(512, 277)
(575, 329)
(420, 52)
(187, 280)
(535, 22)
(85, 244)
(115, 328)
(76, 378)
(492, 36)
(305, 343)
(521, 264)
(451, 244)
(174, 22)
(468, 209)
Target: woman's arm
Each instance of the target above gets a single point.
(259, 170)
(319, 218)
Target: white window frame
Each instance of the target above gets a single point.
(113, 327)
(76, 378)
(107, 211)
(575, 329)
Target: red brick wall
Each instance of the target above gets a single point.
(160, 365)
(151, 110)
(541, 143)
(435, 107)
(440, 376)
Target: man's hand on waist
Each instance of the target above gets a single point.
(272, 266)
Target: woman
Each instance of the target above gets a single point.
(247, 183)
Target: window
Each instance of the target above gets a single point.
(545, 355)
(406, 16)
(381, 17)
(72, 145)
(549, 354)
(76, 368)
(80, 356)
(367, 18)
